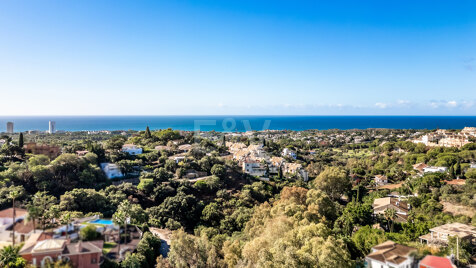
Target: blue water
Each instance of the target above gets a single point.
(235, 123)
(102, 221)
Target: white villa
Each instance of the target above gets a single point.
(431, 169)
(131, 149)
(111, 170)
(391, 255)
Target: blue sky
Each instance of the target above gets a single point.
(98, 57)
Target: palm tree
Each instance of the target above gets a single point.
(390, 216)
(66, 218)
(33, 214)
(9, 257)
(13, 195)
(119, 218)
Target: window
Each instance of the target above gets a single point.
(94, 260)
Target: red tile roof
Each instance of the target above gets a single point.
(435, 262)
(8, 213)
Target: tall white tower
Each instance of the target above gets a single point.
(52, 127)
(10, 127)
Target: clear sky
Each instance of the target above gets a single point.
(99, 57)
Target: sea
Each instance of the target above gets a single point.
(239, 123)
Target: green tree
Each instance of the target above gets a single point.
(390, 215)
(20, 140)
(148, 135)
(10, 257)
(133, 260)
(89, 233)
(333, 181)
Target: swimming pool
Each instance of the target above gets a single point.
(102, 221)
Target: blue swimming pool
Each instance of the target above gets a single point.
(102, 221)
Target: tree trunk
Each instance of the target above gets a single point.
(13, 226)
(119, 244)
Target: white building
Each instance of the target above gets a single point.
(10, 127)
(131, 149)
(23, 229)
(52, 127)
(391, 255)
(254, 168)
(111, 170)
(431, 169)
(380, 180)
(472, 165)
(289, 153)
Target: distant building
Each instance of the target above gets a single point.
(380, 180)
(6, 222)
(420, 166)
(472, 165)
(254, 168)
(390, 254)
(430, 169)
(131, 149)
(49, 150)
(381, 205)
(10, 127)
(289, 153)
(439, 235)
(111, 170)
(52, 127)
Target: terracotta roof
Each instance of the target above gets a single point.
(23, 227)
(8, 213)
(83, 247)
(435, 262)
(391, 252)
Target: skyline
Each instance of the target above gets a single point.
(237, 58)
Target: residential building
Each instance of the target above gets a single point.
(111, 170)
(10, 127)
(131, 149)
(2, 142)
(45, 149)
(440, 235)
(381, 205)
(289, 153)
(472, 165)
(391, 255)
(39, 253)
(6, 223)
(254, 168)
(420, 167)
(52, 127)
(380, 180)
(162, 148)
(431, 261)
(185, 148)
(430, 169)
(296, 169)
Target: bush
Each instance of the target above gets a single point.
(89, 233)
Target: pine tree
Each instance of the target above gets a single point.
(147, 133)
(20, 140)
(458, 169)
(224, 140)
(452, 172)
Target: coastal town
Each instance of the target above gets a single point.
(153, 198)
